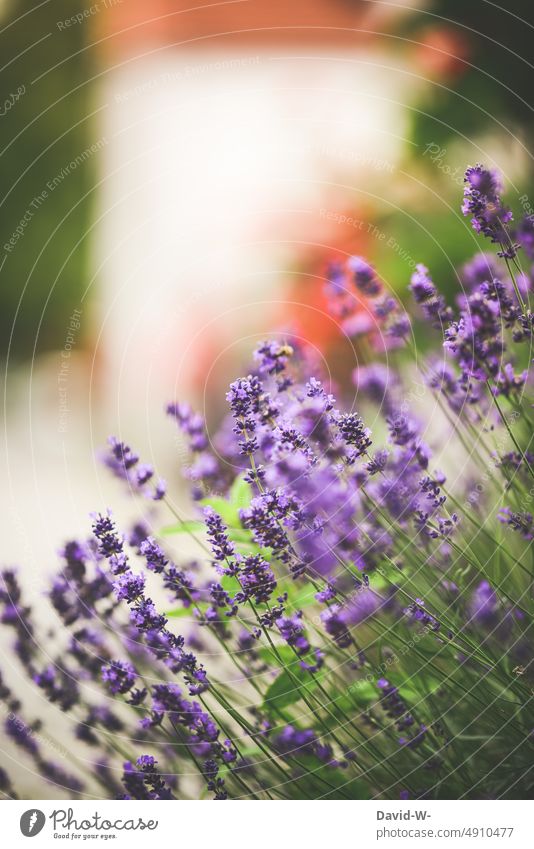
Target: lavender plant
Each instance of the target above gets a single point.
(353, 626)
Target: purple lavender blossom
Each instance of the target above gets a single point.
(154, 555)
(378, 462)
(523, 523)
(124, 463)
(483, 603)
(143, 780)
(376, 382)
(354, 433)
(333, 619)
(272, 357)
(256, 579)
(427, 296)
(364, 276)
(524, 234)
(482, 268)
(129, 586)
(395, 707)
(119, 675)
(507, 382)
(20, 733)
(59, 684)
(482, 201)
(294, 741)
(221, 546)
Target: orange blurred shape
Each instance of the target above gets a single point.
(307, 307)
(127, 23)
(442, 52)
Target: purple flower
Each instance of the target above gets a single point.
(121, 458)
(328, 594)
(297, 742)
(483, 603)
(17, 616)
(364, 276)
(514, 461)
(124, 464)
(55, 774)
(376, 381)
(75, 555)
(144, 781)
(421, 286)
(129, 586)
(256, 578)
(160, 490)
(272, 357)
(109, 542)
(205, 467)
(475, 339)
(265, 517)
(6, 786)
(201, 732)
(523, 523)
(432, 490)
(138, 533)
(315, 389)
(119, 675)
(482, 201)
(399, 326)
(244, 395)
(354, 433)
(427, 296)
(525, 235)
(333, 619)
(145, 616)
(507, 381)
(191, 423)
(416, 611)
(21, 733)
(394, 705)
(292, 630)
(154, 555)
(402, 429)
(482, 268)
(217, 532)
(378, 462)
(59, 685)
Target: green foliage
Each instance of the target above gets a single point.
(290, 686)
(47, 170)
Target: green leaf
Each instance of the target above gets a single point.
(230, 584)
(288, 688)
(241, 535)
(179, 612)
(363, 692)
(286, 654)
(240, 493)
(226, 510)
(379, 583)
(357, 788)
(187, 527)
(304, 597)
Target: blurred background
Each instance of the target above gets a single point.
(174, 182)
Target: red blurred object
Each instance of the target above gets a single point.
(442, 52)
(252, 22)
(307, 309)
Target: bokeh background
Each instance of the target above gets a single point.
(174, 181)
